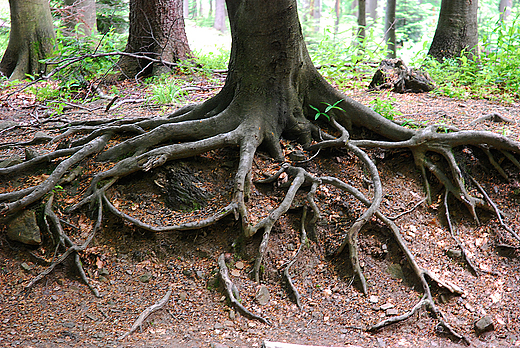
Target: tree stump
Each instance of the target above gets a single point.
(395, 75)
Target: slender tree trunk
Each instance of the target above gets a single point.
(156, 30)
(456, 30)
(390, 28)
(337, 12)
(372, 9)
(220, 15)
(31, 39)
(362, 20)
(186, 8)
(83, 14)
(504, 7)
(316, 15)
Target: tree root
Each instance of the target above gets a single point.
(232, 292)
(289, 264)
(146, 313)
(73, 248)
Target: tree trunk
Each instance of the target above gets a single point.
(337, 12)
(457, 29)
(362, 20)
(372, 9)
(31, 39)
(315, 15)
(220, 15)
(83, 14)
(157, 31)
(390, 28)
(504, 7)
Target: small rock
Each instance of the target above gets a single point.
(69, 324)
(262, 295)
(30, 154)
(469, 307)
(387, 306)
(229, 323)
(232, 315)
(239, 265)
(454, 253)
(251, 324)
(484, 324)
(381, 343)
(291, 247)
(24, 228)
(391, 312)
(373, 299)
(182, 296)
(218, 326)
(145, 278)
(26, 267)
(54, 298)
(235, 273)
(200, 274)
(129, 272)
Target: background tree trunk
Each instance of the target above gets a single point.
(456, 30)
(504, 7)
(390, 28)
(362, 20)
(31, 39)
(156, 30)
(82, 12)
(372, 9)
(220, 16)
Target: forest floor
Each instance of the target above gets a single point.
(133, 269)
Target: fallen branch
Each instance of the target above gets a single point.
(149, 310)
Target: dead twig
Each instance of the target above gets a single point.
(149, 310)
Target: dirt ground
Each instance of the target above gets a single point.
(133, 269)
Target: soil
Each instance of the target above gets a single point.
(133, 269)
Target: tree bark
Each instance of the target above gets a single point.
(156, 30)
(31, 39)
(83, 14)
(362, 20)
(457, 29)
(220, 16)
(390, 28)
(504, 7)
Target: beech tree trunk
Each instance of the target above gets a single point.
(457, 29)
(390, 28)
(362, 20)
(31, 39)
(504, 7)
(83, 14)
(156, 30)
(220, 16)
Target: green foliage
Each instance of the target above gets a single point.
(112, 15)
(327, 109)
(344, 63)
(167, 90)
(385, 107)
(213, 60)
(494, 75)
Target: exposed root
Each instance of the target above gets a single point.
(232, 292)
(146, 313)
(472, 267)
(74, 248)
(289, 264)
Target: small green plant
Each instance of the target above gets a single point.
(385, 107)
(167, 91)
(327, 109)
